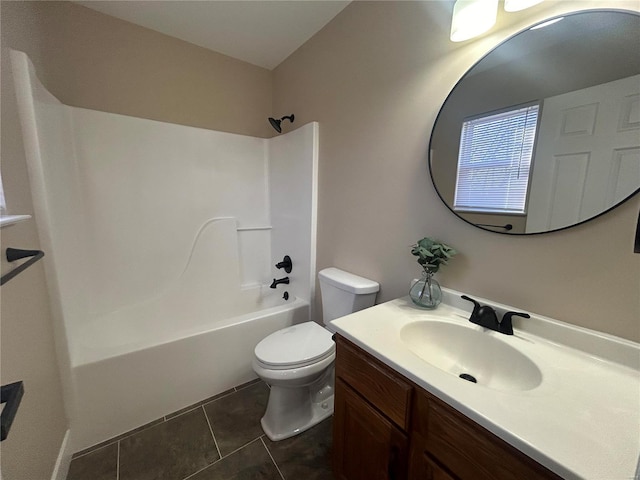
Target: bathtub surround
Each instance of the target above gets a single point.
(161, 237)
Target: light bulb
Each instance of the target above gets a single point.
(472, 18)
(517, 5)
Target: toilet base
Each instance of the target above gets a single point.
(292, 410)
(319, 412)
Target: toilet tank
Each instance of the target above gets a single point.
(344, 293)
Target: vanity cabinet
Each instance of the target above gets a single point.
(387, 427)
(371, 418)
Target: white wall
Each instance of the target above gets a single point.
(293, 160)
(147, 189)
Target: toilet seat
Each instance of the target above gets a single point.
(295, 347)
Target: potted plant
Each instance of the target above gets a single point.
(426, 292)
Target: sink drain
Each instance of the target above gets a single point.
(468, 377)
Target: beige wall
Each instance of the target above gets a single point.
(374, 78)
(27, 334)
(95, 61)
(91, 60)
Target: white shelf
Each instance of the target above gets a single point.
(6, 220)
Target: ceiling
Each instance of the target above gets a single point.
(262, 33)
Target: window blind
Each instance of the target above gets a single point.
(494, 161)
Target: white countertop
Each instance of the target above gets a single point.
(582, 421)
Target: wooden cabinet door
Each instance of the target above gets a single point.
(367, 446)
(422, 466)
(467, 450)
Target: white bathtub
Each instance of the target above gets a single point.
(138, 364)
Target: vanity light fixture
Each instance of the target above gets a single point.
(472, 18)
(546, 24)
(517, 5)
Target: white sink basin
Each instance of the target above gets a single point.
(462, 350)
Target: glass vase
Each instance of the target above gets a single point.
(426, 292)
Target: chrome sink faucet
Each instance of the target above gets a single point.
(486, 317)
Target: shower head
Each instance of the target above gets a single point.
(276, 123)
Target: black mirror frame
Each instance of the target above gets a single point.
(515, 234)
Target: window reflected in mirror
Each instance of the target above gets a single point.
(494, 161)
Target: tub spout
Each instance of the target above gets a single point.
(277, 282)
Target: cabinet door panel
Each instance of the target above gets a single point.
(366, 445)
(421, 465)
(473, 453)
(383, 388)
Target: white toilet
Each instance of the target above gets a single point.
(298, 361)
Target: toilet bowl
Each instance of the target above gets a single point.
(298, 362)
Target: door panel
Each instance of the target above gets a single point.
(586, 156)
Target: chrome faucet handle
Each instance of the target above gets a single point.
(506, 325)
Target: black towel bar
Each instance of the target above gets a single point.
(14, 254)
(636, 243)
(507, 227)
(11, 395)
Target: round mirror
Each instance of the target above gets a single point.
(543, 133)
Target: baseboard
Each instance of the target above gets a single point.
(64, 459)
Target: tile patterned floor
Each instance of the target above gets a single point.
(217, 439)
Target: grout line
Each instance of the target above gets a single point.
(117, 438)
(240, 448)
(191, 475)
(221, 458)
(92, 450)
(271, 457)
(211, 430)
(183, 413)
(248, 384)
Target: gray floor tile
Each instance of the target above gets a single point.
(100, 464)
(251, 462)
(235, 418)
(307, 455)
(169, 451)
(119, 437)
(246, 384)
(198, 404)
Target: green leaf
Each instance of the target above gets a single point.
(431, 253)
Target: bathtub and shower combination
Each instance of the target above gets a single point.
(161, 242)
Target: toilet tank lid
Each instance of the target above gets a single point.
(348, 281)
